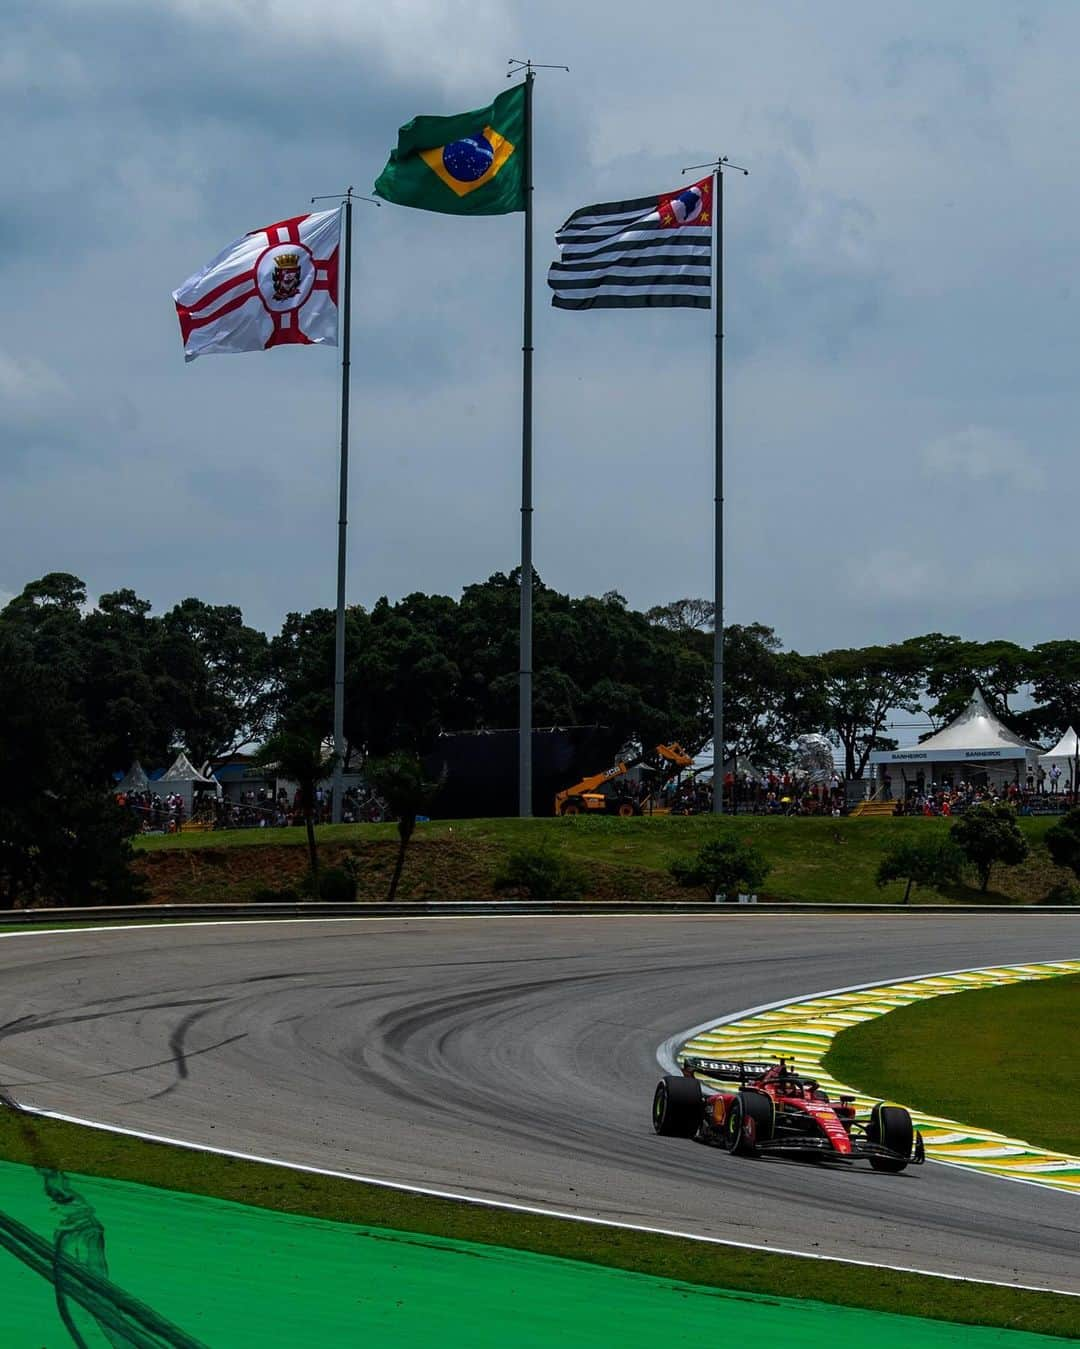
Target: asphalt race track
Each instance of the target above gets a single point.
(514, 1059)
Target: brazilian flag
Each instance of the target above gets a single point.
(471, 164)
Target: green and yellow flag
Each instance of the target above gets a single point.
(471, 164)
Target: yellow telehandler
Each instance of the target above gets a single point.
(600, 793)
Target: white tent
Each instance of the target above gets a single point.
(134, 780)
(1064, 755)
(184, 778)
(975, 740)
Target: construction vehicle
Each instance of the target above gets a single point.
(600, 793)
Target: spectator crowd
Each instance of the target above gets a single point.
(253, 809)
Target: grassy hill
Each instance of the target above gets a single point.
(823, 860)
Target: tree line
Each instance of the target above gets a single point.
(86, 687)
(137, 685)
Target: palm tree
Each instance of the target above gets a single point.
(298, 756)
(399, 780)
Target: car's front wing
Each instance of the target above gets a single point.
(861, 1149)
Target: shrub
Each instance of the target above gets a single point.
(1063, 842)
(723, 866)
(1065, 892)
(541, 874)
(932, 863)
(337, 885)
(988, 835)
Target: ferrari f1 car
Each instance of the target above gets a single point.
(773, 1111)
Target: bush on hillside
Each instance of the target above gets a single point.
(933, 863)
(724, 866)
(1065, 892)
(336, 885)
(541, 874)
(989, 835)
(1063, 841)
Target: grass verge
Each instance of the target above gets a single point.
(1010, 1066)
(72, 1148)
(820, 860)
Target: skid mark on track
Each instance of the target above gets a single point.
(804, 1030)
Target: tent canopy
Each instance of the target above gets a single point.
(134, 780)
(1065, 749)
(976, 735)
(183, 770)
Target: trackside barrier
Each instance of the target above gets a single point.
(171, 913)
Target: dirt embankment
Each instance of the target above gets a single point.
(439, 870)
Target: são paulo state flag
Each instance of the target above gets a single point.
(275, 286)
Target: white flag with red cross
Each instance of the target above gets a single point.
(275, 286)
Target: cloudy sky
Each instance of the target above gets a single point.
(901, 290)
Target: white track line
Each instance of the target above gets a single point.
(508, 1206)
(35, 930)
(502, 1204)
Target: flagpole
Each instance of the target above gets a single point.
(525, 658)
(343, 512)
(338, 780)
(718, 500)
(718, 167)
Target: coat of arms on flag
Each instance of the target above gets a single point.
(275, 286)
(646, 253)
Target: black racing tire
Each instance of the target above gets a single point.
(891, 1126)
(757, 1107)
(677, 1107)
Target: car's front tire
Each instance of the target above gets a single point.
(677, 1107)
(749, 1122)
(891, 1126)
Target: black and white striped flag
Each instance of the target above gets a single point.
(654, 252)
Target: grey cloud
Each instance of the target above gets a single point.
(899, 266)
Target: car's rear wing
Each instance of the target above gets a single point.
(727, 1070)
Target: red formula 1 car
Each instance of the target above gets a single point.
(774, 1111)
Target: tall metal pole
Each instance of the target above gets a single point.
(343, 512)
(525, 658)
(718, 499)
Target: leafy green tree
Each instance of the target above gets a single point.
(1063, 842)
(399, 779)
(297, 754)
(999, 668)
(123, 687)
(933, 863)
(63, 840)
(770, 695)
(723, 866)
(1054, 671)
(859, 688)
(107, 660)
(224, 672)
(987, 836)
(686, 615)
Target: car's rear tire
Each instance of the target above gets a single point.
(753, 1108)
(890, 1125)
(677, 1107)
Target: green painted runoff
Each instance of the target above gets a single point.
(209, 1272)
